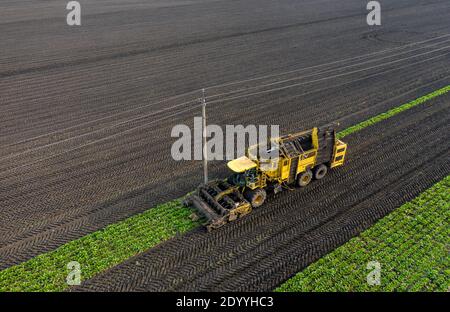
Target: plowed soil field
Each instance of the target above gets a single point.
(87, 112)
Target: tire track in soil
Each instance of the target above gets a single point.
(34, 185)
(54, 237)
(388, 164)
(75, 194)
(49, 233)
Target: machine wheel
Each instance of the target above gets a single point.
(255, 197)
(304, 178)
(320, 171)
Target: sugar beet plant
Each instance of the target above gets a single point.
(114, 244)
(100, 250)
(411, 244)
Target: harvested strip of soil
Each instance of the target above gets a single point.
(56, 79)
(388, 164)
(101, 250)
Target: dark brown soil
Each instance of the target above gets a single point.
(72, 160)
(388, 164)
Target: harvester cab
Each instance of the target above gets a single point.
(246, 173)
(300, 157)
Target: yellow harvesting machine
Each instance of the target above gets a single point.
(301, 157)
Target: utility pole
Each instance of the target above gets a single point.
(205, 152)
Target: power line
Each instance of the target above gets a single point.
(366, 77)
(100, 140)
(190, 102)
(114, 115)
(321, 79)
(218, 86)
(321, 72)
(326, 64)
(92, 132)
(221, 100)
(192, 108)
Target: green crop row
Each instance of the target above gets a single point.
(410, 244)
(100, 250)
(112, 245)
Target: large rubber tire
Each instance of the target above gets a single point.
(320, 171)
(304, 178)
(255, 197)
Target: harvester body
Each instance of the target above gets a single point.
(301, 157)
